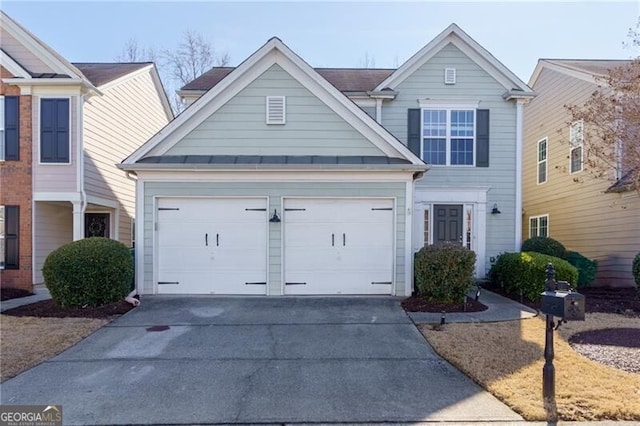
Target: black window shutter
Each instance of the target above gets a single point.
(413, 131)
(12, 128)
(482, 138)
(11, 238)
(54, 131)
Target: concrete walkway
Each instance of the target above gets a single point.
(499, 309)
(201, 360)
(41, 292)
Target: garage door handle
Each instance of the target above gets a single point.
(333, 240)
(217, 240)
(206, 240)
(344, 239)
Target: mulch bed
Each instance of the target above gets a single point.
(7, 293)
(47, 308)
(420, 304)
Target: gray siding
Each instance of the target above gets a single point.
(239, 128)
(472, 83)
(582, 216)
(275, 192)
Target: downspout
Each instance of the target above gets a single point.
(518, 207)
(80, 160)
(379, 110)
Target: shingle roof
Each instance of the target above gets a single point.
(102, 73)
(272, 159)
(344, 79)
(593, 66)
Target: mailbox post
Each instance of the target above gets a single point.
(557, 300)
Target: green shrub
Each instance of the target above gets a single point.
(444, 272)
(545, 245)
(586, 267)
(524, 273)
(94, 271)
(636, 270)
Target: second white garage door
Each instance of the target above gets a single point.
(212, 245)
(338, 246)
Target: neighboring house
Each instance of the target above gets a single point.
(596, 217)
(283, 179)
(63, 128)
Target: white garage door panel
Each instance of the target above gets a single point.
(212, 246)
(338, 246)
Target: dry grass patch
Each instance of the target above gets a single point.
(28, 341)
(507, 358)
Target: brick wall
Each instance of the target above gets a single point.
(16, 190)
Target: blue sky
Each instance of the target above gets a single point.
(336, 34)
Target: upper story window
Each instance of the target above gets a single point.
(542, 161)
(576, 143)
(539, 226)
(448, 136)
(54, 130)
(9, 128)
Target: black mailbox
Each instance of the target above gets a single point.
(563, 304)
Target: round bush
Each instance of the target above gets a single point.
(545, 245)
(586, 267)
(444, 272)
(636, 270)
(90, 272)
(524, 273)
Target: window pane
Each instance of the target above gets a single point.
(542, 150)
(543, 225)
(435, 123)
(426, 227)
(462, 123)
(435, 151)
(542, 172)
(462, 151)
(576, 159)
(533, 227)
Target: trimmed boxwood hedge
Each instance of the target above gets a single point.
(90, 272)
(524, 273)
(545, 245)
(444, 272)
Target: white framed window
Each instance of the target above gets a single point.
(2, 132)
(576, 144)
(276, 110)
(539, 226)
(542, 160)
(427, 226)
(449, 136)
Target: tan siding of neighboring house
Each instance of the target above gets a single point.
(54, 226)
(115, 125)
(582, 216)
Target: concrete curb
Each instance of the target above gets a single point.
(499, 307)
(41, 293)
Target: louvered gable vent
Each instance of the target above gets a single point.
(449, 76)
(276, 110)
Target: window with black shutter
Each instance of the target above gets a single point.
(11, 236)
(54, 131)
(9, 129)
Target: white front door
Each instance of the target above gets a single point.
(338, 246)
(212, 245)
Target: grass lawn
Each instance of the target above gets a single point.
(506, 359)
(28, 341)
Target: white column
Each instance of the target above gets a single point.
(408, 241)
(78, 220)
(518, 207)
(379, 110)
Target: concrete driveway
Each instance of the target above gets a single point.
(177, 360)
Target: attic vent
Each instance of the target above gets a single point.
(275, 109)
(449, 76)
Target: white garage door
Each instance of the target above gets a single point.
(338, 246)
(212, 245)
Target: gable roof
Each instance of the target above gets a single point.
(272, 52)
(454, 35)
(101, 73)
(584, 69)
(343, 79)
